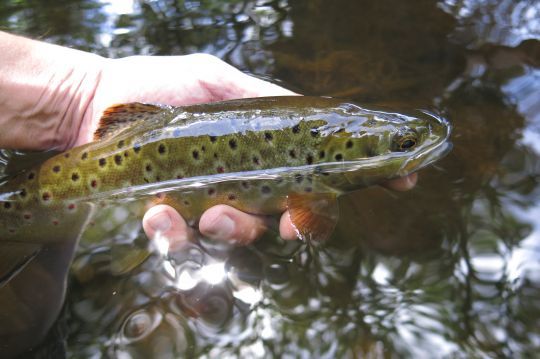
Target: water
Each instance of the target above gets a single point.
(448, 269)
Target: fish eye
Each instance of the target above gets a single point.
(405, 141)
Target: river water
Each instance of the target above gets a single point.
(448, 269)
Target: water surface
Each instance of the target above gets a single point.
(448, 269)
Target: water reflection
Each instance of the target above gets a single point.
(450, 268)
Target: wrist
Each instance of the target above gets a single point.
(45, 92)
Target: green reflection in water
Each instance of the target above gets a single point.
(449, 268)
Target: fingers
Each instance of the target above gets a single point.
(223, 222)
(287, 230)
(402, 184)
(163, 222)
(224, 81)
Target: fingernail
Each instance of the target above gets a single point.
(222, 228)
(160, 222)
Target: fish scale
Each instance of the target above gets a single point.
(306, 151)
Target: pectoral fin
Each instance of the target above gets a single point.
(14, 256)
(314, 215)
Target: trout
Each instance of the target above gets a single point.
(260, 155)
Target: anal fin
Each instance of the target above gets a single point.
(14, 256)
(314, 215)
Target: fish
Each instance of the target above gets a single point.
(260, 155)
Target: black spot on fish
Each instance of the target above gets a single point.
(215, 155)
(314, 132)
(102, 162)
(118, 159)
(231, 197)
(195, 154)
(295, 129)
(211, 191)
(84, 156)
(266, 189)
(7, 205)
(245, 184)
(146, 180)
(349, 144)
(232, 144)
(179, 176)
(309, 159)
(220, 169)
(148, 168)
(268, 136)
(298, 178)
(213, 139)
(308, 189)
(23, 193)
(126, 154)
(256, 160)
(203, 148)
(322, 154)
(66, 155)
(56, 169)
(279, 180)
(158, 178)
(121, 143)
(31, 176)
(136, 148)
(27, 216)
(162, 149)
(186, 203)
(46, 196)
(74, 177)
(292, 153)
(338, 157)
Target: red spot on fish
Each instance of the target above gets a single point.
(55, 222)
(93, 183)
(27, 216)
(71, 206)
(220, 169)
(46, 196)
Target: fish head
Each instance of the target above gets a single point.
(372, 146)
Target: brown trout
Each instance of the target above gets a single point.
(260, 155)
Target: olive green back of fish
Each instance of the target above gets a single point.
(140, 145)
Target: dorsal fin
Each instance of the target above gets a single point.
(118, 117)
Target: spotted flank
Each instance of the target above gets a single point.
(261, 155)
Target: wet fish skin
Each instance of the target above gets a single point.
(308, 147)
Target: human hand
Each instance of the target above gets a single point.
(183, 80)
